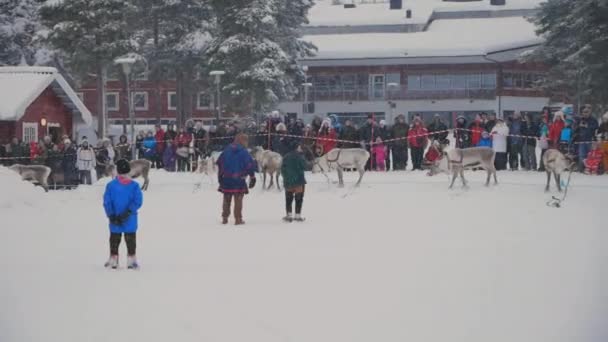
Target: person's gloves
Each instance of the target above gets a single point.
(252, 182)
(119, 220)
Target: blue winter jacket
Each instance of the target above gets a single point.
(123, 194)
(149, 147)
(485, 142)
(566, 135)
(234, 165)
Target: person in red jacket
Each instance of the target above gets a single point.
(418, 139)
(326, 140)
(476, 129)
(159, 136)
(555, 130)
(182, 142)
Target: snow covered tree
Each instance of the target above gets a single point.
(576, 46)
(174, 37)
(257, 45)
(20, 31)
(90, 35)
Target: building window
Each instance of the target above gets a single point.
(459, 81)
(443, 82)
(413, 82)
(377, 86)
(488, 81)
(172, 100)
(521, 80)
(204, 101)
(474, 81)
(140, 100)
(30, 132)
(112, 102)
(428, 82)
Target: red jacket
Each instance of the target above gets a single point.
(432, 154)
(417, 136)
(555, 131)
(183, 140)
(476, 131)
(160, 143)
(329, 144)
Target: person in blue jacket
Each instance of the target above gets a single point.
(235, 164)
(486, 140)
(121, 201)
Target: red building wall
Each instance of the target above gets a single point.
(49, 106)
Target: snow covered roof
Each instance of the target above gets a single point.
(325, 13)
(20, 86)
(443, 38)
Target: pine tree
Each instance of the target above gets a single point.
(257, 45)
(576, 46)
(20, 33)
(90, 35)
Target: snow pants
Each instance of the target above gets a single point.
(500, 162)
(399, 157)
(528, 156)
(514, 156)
(417, 157)
(289, 199)
(130, 239)
(238, 206)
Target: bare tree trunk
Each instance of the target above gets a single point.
(180, 103)
(101, 101)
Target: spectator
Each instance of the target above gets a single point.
(379, 154)
(543, 142)
(555, 130)
(139, 144)
(500, 134)
(308, 143)
(462, 136)
(123, 149)
(149, 146)
(486, 140)
(38, 153)
(433, 154)
(294, 182)
(54, 161)
(491, 122)
(515, 142)
(586, 128)
(385, 134)
(399, 132)
(201, 141)
(438, 129)
(603, 133)
(349, 135)
(85, 163)
(281, 142)
(326, 140)
(530, 130)
(159, 136)
(68, 163)
(169, 157)
(105, 158)
(417, 138)
(170, 133)
(565, 138)
(182, 142)
(366, 134)
(593, 160)
(316, 123)
(475, 130)
(18, 152)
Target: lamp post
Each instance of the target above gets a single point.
(391, 88)
(306, 86)
(127, 62)
(218, 79)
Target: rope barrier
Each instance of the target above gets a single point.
(315, 138)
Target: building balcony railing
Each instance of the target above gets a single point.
(367, 94)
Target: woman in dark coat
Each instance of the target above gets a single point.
(68, 164)
(292, 170)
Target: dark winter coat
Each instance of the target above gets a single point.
(367, 133)
(349, 133)
(234, 165)
(531, 130)
(19, 152)
(586, 129)
(68, 163)
(400, 131)
(438, 126)
(463, 138)
(122, 195)
(490, 125)
(293, 169)
(515, 129)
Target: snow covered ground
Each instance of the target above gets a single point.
(399, 259)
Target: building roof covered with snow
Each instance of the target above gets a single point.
(437, 32)
(21, 86)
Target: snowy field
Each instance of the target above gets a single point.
(399, 259)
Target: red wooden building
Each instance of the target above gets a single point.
(37, 101)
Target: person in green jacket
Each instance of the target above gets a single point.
(294, 181)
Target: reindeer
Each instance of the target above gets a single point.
(139, 168)
(33, 173)
(268, 163)
(340, 159)
(457, 160)
(556, 163)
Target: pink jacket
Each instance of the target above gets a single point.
(379, 151)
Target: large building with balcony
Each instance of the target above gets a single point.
(420, 57)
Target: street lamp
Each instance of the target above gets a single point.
(218, 79)
(306, 86)
(127, 63)
(391, 88)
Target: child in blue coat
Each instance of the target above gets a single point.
(121, 200)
